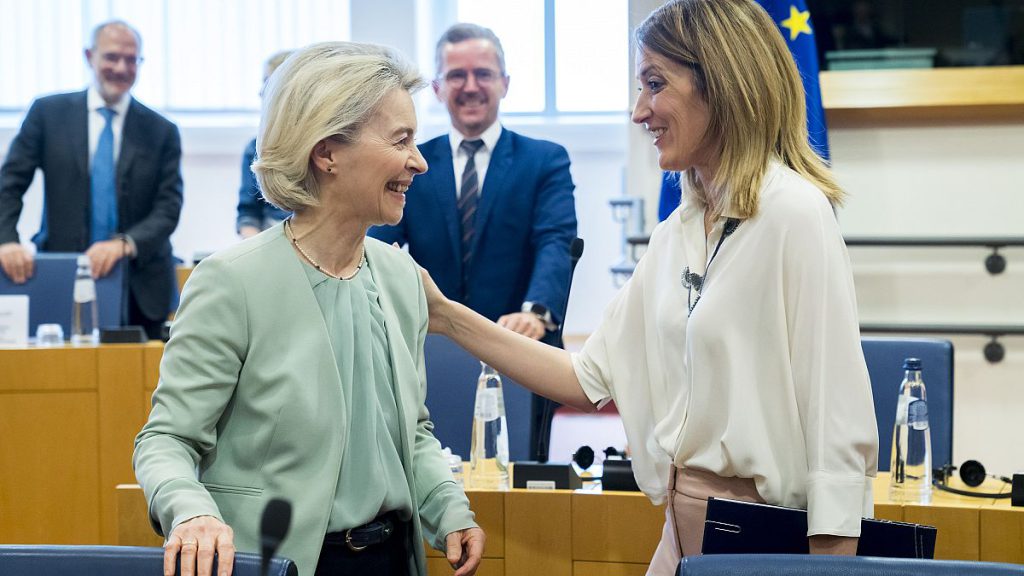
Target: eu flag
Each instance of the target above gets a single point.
(670, 196)
(794, 22)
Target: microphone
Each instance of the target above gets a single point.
(575, 252)
(277, 518)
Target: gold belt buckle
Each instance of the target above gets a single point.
(348, 542)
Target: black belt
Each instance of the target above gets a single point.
(359, 538)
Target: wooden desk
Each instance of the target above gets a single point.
(969, 528)
(556, 533)
(68, 419)
(563, 533)
(182, 273)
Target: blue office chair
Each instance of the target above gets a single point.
(884, 357)
(113, 561)
(813, 565)
(451, 391)
(51, 288)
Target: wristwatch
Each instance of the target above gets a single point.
(541, 312)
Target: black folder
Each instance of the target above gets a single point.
(734, 527)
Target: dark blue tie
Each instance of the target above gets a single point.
(467, 208)
(104, 183)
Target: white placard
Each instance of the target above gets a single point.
(14, 321)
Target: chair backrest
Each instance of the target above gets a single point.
(815, 565)
(884, 358)
(51, 288)
(451, 392)
(113, 561)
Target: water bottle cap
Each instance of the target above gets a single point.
(912, 364)
(83, 260)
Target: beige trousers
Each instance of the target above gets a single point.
(688, 492)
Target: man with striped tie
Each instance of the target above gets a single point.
(112, 180)
(493, 217)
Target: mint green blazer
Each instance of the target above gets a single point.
(250, 407)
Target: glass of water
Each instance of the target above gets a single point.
(49, 335)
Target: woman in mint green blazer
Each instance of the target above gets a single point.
(295, 364)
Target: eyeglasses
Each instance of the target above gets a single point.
(484, 76)
(114, 58)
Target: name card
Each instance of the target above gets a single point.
(13, 321)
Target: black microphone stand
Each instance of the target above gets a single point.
(547, 412)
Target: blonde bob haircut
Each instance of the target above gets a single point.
(326, 90)
(744, 71)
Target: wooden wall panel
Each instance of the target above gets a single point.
(49, 473)
(608, 569)
(1002, 534)
(615, 527)
(133, 528)
(120, 376)
(959, 530)
(39, 369)
(488, 567)
(538, 533)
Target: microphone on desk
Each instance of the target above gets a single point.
(277, 518)
(575, 253)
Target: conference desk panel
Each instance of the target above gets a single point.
(1002, 533)
(68, 419)
(965, 523)
(615, 534)
(49, 478)
(619, 527)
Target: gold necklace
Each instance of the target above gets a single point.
(319, 268)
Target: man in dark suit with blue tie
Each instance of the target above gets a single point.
(112, 179)
(493, 217)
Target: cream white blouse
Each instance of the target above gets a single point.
(765, 379)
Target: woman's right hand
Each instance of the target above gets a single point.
(197, 540)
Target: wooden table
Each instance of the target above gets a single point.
(68, 418)
(589, 533)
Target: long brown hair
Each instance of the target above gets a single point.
(743, 70)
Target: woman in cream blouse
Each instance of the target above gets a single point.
(733, 354)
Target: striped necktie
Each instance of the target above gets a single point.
(467, 208)
(104, 183)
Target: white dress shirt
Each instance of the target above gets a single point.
(97, 121)
(766, 378)
(482, 157)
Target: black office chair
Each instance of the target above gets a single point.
(112, 561)
(813, 565)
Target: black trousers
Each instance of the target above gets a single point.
(153, 328)
(389, 558)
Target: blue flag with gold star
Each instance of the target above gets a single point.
(794, 22)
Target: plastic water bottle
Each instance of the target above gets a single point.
(84, 313)
(911, 467)
(488, 458)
